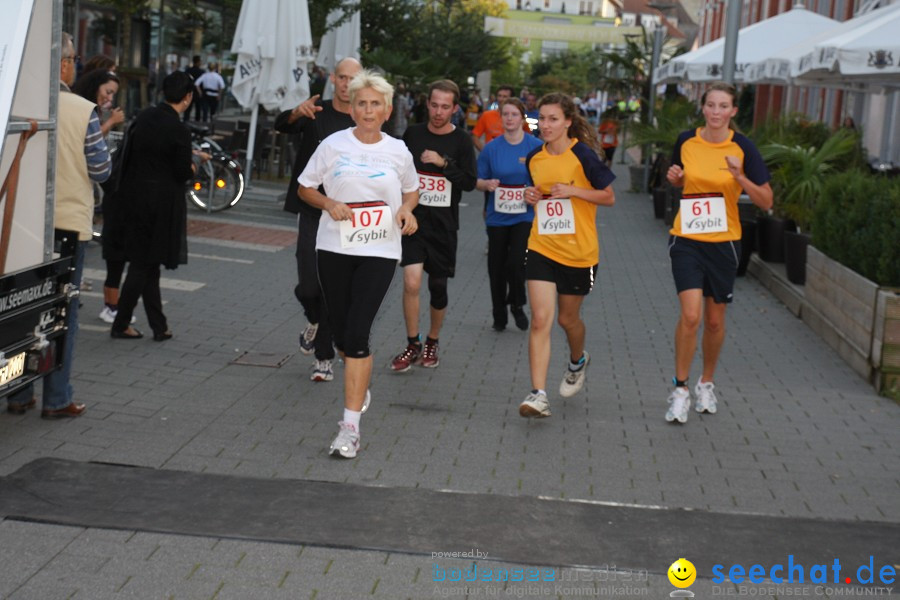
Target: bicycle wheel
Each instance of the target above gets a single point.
(218, 182)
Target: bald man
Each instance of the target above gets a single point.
(311, 122)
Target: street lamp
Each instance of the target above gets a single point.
(658, 38)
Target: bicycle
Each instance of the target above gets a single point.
(218, 183)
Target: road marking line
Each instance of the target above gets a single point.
(231, 244)
(164, 282)
(243, 261)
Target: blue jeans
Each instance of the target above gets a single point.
(57, 389)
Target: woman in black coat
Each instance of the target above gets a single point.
(159, 164)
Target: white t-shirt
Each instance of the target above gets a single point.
(366, 176)
(211, 83)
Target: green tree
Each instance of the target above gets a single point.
(572, 72)
(421, 41)
(127, 9)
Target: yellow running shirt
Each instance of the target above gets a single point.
(709, 205)
(580, 166)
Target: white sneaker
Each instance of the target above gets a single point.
(535, 405)
(308, 338)
(706, 397)
(574, 380)
(679, 404)
(347, 441)
(322, 371)
(367, 402)
(108, 315)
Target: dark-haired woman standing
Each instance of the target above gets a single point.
(569, 182)
(714, 163)
(153, 180)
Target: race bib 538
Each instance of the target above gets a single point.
(434, 190)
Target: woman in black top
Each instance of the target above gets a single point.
(159, 164)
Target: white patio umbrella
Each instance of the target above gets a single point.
(785, 68)
(337, 44)
(863, 50)
(274, 46)
(756, 43)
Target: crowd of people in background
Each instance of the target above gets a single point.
(543, 165)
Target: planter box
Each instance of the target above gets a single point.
(840, 307)
(886, 343)
(637, 177)
(850, 313)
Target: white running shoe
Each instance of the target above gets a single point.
(308, 338)
(322, 371)
(347, 441)
(706, 397)
(574, 380)
(535, 405)
(108, 315)
(679, 404)
(367, 402)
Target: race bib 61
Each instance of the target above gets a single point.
(701, 213)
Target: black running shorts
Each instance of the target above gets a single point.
(570, 281)
(710, 266)
(434, 248)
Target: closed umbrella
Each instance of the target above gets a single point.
(338, 43)
(756, 43)
(274, 46)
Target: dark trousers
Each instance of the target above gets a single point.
(142, 281)
(354, 288)
(506, 267)
(308, 291)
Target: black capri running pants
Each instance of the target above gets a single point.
(353, 288)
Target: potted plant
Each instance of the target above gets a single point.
(674, 116)
(797, 175)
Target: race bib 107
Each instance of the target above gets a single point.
(371, 223)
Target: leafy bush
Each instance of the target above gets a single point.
(798, 172)
(857, 223)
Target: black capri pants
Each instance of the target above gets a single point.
(354, 288)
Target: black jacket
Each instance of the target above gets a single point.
(153, 187)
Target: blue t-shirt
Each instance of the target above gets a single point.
(501, 160)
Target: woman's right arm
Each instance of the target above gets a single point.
(312, 196)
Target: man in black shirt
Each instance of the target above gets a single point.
(195, 71)
(445, 160)
(311, 122)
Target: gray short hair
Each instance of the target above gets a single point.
(65, 39)
(368, 78)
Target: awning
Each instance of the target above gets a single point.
(758, 42)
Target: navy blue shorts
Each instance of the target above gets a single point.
(570, 281)
(710, 266)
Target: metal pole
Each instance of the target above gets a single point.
(732, 25)
(251, 144)
(658, 35)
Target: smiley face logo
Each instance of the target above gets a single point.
(682, 573)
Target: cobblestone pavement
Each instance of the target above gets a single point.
(798, 434)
